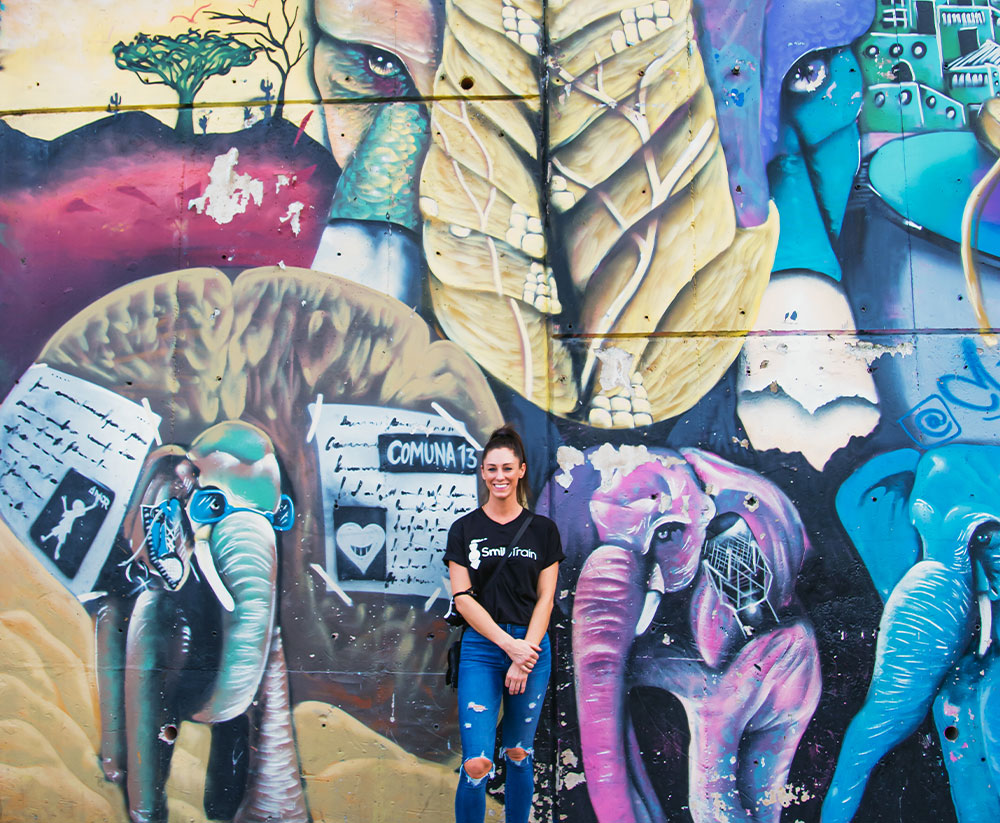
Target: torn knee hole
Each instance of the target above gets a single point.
(516, 754)
(478, 767)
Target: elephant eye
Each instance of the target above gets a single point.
(808, 75)
(665, 532)
(207, 506)
(284, 518)
(985, 535)
(383, 63)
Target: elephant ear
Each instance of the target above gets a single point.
(873, 506)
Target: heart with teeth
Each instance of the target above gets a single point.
(361, 544)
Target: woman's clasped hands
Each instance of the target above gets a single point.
(523, 655)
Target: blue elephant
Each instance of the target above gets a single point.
(927, 527)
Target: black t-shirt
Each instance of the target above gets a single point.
(477, 542)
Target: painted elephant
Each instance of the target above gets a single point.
(202, 641)
(688, 542)
(927, 527)
(749, 58)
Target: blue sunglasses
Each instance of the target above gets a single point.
(210, 506)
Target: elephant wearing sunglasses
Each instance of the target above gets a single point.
(195, 635)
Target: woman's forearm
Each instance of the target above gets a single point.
(479, 619)
(470, 608)
(539, 624)
(546, 595)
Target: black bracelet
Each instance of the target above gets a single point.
(470, 591)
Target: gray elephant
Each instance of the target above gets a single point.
(927, 526)
(202, 644)
(687, 585)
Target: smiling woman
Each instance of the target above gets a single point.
(505, 561)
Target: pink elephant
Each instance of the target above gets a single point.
(662, 533)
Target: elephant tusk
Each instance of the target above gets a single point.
(203, 554)
(654, 595)
(656, 582)
(648, 610)
(985, 623)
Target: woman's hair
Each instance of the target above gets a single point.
(506, 437)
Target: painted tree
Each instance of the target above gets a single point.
(184, 63)
(273, 41)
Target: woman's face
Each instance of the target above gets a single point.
(501, 470)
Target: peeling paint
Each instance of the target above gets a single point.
(293, 213)
(869, 352)
(610, 461)
(227, 193)
(616, 368)
(568, 458)
(813, 396)
(787, 795)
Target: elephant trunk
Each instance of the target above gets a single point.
(155, 655)
(274, 789)
(393, 148)
(924, 630)
(243, 550)
(606, 609)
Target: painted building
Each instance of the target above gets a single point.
(928, 65)
(271, 273)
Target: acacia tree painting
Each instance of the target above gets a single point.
(274, 43)
(184, 63)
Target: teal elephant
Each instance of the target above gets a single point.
(194, 633)
(927, 527)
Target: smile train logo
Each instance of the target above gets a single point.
(475, 556)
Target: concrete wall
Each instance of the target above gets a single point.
(270, 273)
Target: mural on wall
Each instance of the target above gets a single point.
(715, 550)
(270, 273)
(937, 507)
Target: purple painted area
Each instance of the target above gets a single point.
(748, 49)
(748, 693)
(793, 29)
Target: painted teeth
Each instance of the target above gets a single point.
(640, 24)
(520, 27)
(560, 196)
(429, 206)
(622, 409)
(540, 290)
(525, 233)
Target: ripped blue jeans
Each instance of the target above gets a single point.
(482, 670)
